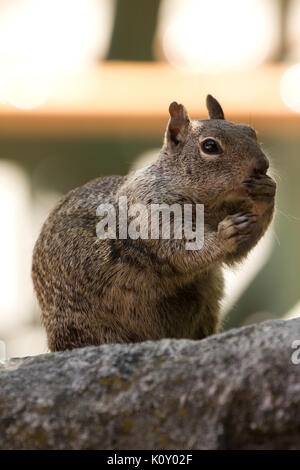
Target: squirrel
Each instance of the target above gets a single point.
(93, 291)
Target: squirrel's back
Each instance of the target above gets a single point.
(63, 253)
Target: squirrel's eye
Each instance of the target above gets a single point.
(211, 147)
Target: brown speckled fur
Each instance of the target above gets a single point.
(94, 291)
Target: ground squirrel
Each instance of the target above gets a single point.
(94, 291)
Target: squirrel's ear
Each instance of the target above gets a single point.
(214, 108)
(177, 126)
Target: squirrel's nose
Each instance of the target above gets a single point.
(261, 164)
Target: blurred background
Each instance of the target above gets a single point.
(85, 87)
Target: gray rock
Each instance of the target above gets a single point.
(237, 390)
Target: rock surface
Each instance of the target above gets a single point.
(237, 390)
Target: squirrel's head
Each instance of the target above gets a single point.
(215, 153)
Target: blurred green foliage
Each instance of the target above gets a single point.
(60, 165)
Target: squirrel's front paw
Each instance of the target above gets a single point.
(259, 187)
(235, 229)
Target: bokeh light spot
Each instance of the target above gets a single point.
(27, 86)
(290, 88)
(215, 36)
